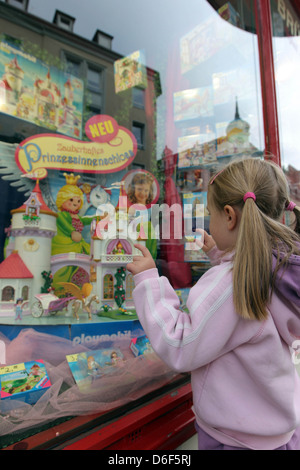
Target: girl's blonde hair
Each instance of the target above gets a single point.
(261, 229)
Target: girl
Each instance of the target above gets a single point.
(244, 314)
(140, 190)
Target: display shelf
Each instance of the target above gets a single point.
(132, 427)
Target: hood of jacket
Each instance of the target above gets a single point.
(287, 282)
(285, 302)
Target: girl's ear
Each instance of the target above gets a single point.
(231, 217)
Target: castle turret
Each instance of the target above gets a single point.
(33, 227)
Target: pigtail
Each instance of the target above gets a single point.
(261, 231)
(252, 269)
(297, 216)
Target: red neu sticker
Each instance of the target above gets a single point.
(101, 128)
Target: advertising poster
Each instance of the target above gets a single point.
(130, 71)
(35, 92)
(192, 104)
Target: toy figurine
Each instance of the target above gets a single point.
(18, 309)
(93, 367)
(83, 296)
(70, 225)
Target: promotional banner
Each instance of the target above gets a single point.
(112, 148)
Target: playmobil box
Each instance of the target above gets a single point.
(26, 381)
(86, 367)
(140, 345)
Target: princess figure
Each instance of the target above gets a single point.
(69, 224)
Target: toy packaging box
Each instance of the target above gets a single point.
(140, 345)
(26, 381)
(86, 367)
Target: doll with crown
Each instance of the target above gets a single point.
(69, 226)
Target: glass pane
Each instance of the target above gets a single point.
(138, 97)
(94, 79)
(73, 67)
(286, 48)
(185, 80)
(138, 132)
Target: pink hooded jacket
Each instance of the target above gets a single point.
(246, 390)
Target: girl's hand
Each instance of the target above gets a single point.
(207, 242)
(141, 263)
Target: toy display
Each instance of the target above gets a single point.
(89, 366)
(82, 297)
(140, 346)
(25, 381)
(49, 304)
(48, 256)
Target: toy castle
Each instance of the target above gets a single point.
(28, 255)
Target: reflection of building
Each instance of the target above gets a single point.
(200, 150)
(86, 61)
(236, 140)
(91, 61)
(293, 177)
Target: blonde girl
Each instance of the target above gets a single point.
(240, 335)
(140, 189)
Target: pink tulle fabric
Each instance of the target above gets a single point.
(138, 376)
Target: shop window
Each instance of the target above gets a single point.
(138, 130)
(108, 287)
(286, 48)
(8, 294)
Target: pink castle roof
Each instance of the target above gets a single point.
(43, 206)
(4, 84)
(13, 267)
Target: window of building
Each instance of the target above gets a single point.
(73, 66)
(94, 83)
(25, 292)
(138, 130)
(8, 294)
(103, 39)
(138, 97)
(23, 4)
(95, 90)
(108, 287)
(129, 286)
(64, 21)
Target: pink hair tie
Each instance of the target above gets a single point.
(291, 206)
(215, 176)
(249, 195)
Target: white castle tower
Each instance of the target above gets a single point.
(33, 227)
